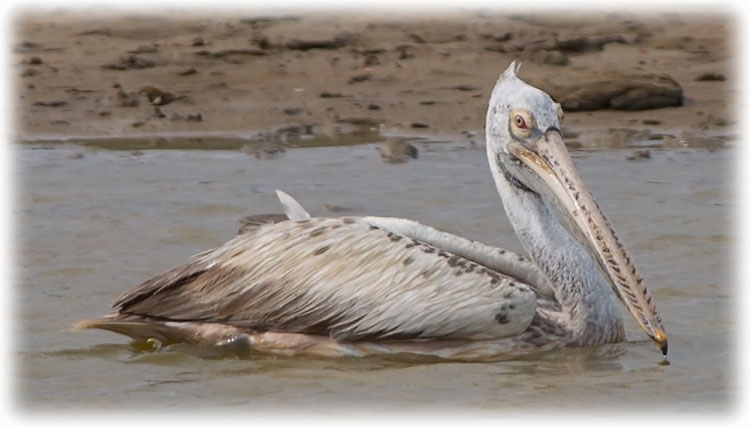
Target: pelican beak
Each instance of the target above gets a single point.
(567, 193)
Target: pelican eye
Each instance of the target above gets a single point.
(522, 122)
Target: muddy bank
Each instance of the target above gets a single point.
(278, 80)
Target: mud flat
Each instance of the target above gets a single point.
(660, 80)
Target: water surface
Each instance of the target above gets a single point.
(92, 223)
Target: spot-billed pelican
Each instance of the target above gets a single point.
(374, 285)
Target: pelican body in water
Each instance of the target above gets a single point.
(376, 285)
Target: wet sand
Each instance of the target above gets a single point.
(274, 79)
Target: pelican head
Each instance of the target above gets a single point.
(525, 147)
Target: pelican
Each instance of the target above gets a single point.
(375, 285)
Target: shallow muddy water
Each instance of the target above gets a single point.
(92, 223)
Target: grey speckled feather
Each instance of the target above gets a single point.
(340, 277)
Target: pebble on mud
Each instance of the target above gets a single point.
(187, 72)
(157, 96)
(125, 99)
(326, 94)
(589, 43)
(336, 42)
(34, 60)
(130, 62)
(358, 78)
(56, 103)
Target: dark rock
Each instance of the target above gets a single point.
(373, 107)
(187, 72)
(370, 54)
(465, 88)
(419, 125)
(621, 92)
(588, 43)
(326, 94)
(130, 62)
(371, 60)
(34, 60)
(50, 103)
(711, 77)
(403, 52)
(223, 53)
(427, 102)
(262, 41)
(292, 111)
(368, 51)
(645, 99)
(157, 96)
(358, 78)
(651, 122)
(198, 41)
(336, 42)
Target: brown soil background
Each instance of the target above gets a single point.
(409, 76)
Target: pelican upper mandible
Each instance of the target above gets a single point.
(376, 285)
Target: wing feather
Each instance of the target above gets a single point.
(342, 277)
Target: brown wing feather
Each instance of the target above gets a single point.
(340, 277)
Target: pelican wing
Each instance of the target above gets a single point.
(341, 277)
